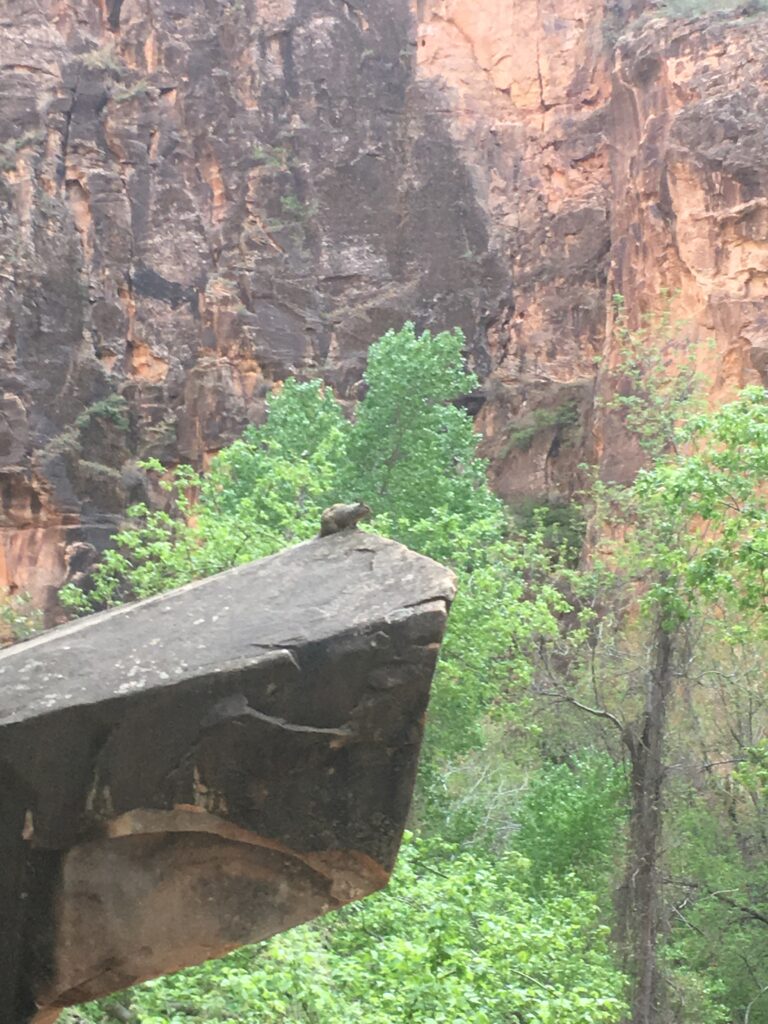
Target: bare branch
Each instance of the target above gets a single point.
(752, 1002)
(722, 896)
(705, 765)
(597, 712)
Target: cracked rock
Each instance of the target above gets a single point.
(210, 766)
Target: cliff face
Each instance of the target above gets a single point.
(527, 91)
(689, 210)
(614, 153)
(198, 199)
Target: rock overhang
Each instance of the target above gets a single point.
(210, 766)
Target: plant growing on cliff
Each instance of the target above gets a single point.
(561, 419)
(10, 150)
(19, 619)
(273, 156)
(103, 58)
(113, 408)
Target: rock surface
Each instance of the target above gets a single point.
(208, 767)
(690, 203)
(197, 200)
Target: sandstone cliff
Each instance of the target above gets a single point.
(198, 199)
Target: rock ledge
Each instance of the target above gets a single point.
(209, 767)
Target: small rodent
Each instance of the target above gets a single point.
(343, 517)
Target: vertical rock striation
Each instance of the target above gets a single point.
(198, 199)
(689, 123)
(526, 89)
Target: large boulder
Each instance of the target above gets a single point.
(209, 767)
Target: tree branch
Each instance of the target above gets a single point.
(721, 896)
(597, 712)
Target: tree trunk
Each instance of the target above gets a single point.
(641, 907)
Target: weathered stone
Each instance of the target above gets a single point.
(210, 766)
(199, 200)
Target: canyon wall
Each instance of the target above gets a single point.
(199, 198)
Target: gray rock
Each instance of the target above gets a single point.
(208, 767)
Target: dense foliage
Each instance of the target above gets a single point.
(458, 936)
(411, 453)
(595, 756)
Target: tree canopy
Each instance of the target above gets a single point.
(589, 822)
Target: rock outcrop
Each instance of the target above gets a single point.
(526, 88)
(208, 767)
(197, 201)
(689, 122)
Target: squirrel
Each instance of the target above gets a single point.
(343, 517)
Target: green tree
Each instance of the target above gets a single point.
(715, 483)
(681, 543)
(413, 452)
(571, 819)
(457, 937)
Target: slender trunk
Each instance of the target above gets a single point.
(641, 905)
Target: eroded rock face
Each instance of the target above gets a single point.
(527, 88)
(198, 200)
(209, 767)
(613, 153)
(690, 125)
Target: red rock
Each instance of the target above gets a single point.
(194, 207)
